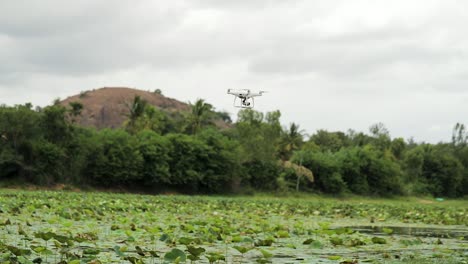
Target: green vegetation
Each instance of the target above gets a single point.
(186, 152)
(76, 227)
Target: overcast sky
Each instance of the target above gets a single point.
(331, 65)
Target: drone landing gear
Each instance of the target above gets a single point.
(243, 102)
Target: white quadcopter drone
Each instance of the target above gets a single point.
(246, 97)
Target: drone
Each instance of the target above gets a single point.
(244, 98)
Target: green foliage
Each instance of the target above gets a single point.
(329, 141)
(55, 126)
(136, 111)
(77, 227)
(184, 151)
(290, 141)
(326, 171)
(115, 159)
(76, 108)
(202, 114)
(155, 150)
(47, 162)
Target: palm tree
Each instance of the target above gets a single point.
(291, 140)
(137, 109)
(201, 114)
(75, 110)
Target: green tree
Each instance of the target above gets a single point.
(201, 114)
(55, 125)
(326, 170)
(115, 160)
(352, 163)
(75, 111)
(155, 150)
(381, 136)
(136, 110)
(152, 119)
(329, 141)
(442, 171)
(459, 135)
(48, 165)
(19, 127)
(291, 140)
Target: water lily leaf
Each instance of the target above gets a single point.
(133, 260)
(387, 231)
(164, 237)
(38, 249)
(316, 244)
(185, 240)
(46, 236)
(343, 230)
(175, 255)
(264, 242)
(336, 241)
(263, 261)
(282, 234)
(139, 251)
(379, 240)
(195, 251)
(266, 254)
(18, 251)
(39, 261)
(236, 239)
(213, 257)
(248, 240)
(21, 231)
(24, 260)
(334, 257)
(91, 251)
(242, 249)
(118, 251)
(193, 258)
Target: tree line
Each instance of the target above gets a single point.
(187, 152)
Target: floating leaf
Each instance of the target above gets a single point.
(175, 255)
(164, 237)
(379, 240)
(18, 251)
(185, 240)
(139, 251)
(387, 231)
(195, 251)
(91, 251)
(264, 242)
(118, 251)
(316, 244)
(241, 249)
(336, 241)
(282, 234)
(266, 254)
(213, 257)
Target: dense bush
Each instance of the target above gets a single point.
(185, 152)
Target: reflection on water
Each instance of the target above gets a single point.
(413, 231)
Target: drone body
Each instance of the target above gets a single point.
(244, 98)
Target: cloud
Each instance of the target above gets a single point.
(327, 64)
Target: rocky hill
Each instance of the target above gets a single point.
(108, 107)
